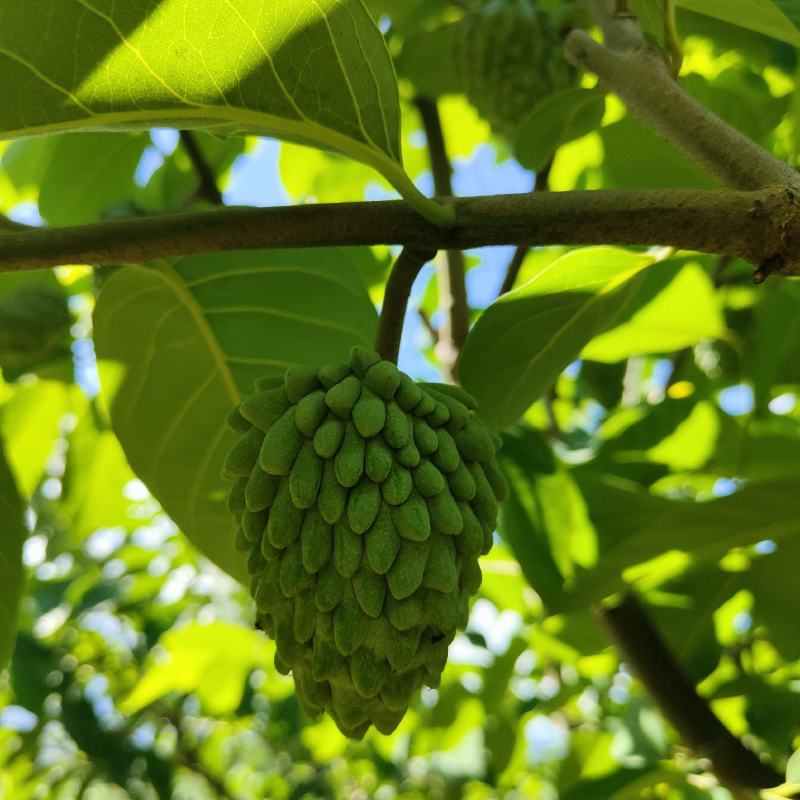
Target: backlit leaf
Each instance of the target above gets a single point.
(522, 342)
(179, 345)
(316, 72)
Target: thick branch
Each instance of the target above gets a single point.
(452, 272)
(645, 651)
(209, 190)
(641, 78)
(761, 227)
(541, 184)
(395, 300)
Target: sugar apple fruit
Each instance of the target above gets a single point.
(364, 500)
(510, 56)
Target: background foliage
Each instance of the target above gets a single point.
(658, 445)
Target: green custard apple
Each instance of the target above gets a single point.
(364, 500)
(510, 57)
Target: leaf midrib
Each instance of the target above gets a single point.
(291, 129)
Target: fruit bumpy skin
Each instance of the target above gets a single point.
(358, 567)
(510, 57)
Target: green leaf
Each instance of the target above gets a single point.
(770, 580)
(636, 529)
(179, 345)
(793, 768)
(316, 72)
(680, 434)
(12, 572)
(558, 119)
(652, 17)
(30, 423)
(761, 16)
(176, 181)
(774, 341)
(95, 478)
(79, 176)
(526, 462)
(675, 307)
(637, 158)
(211, 660)
(34, 322)
(522, 343)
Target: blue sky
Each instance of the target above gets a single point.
(255, 180)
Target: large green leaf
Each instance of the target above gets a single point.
(212, 661)
(179, 345)
(77, 177)
(12, 573)
(30, 423)
(762, 16)
(314, 72)
(675, 307)
(634, 529)
(522, 342)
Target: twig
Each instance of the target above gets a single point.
(428, 325)
(642, 80)
(655, 665)
(762, 227)
(541, 184)
(209, 190)
(395, 300)
(452, 272)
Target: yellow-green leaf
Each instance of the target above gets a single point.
(314, 72)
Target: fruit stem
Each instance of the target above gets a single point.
(395, 300)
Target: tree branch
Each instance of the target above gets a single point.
(646, 652)
(541, 184)
(209, 190)
(762, 227)
(452, 272)
(395, 300)
(642, 80)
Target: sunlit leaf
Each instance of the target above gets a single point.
(211, 660)
(634, 527)
(522, 342)
(762, 16)
(312, 72)
(95, 479)
(793, 768)
(31, 423)
(675, 307)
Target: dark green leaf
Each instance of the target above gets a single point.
(555, 121)
(12, 572)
